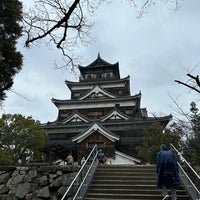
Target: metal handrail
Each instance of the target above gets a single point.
(86, 169)
(185, 179)
(184, 160)
(85, 182)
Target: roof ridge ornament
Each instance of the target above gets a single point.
(98, 55)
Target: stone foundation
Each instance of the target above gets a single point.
(35, 182)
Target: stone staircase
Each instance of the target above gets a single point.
(137, 182)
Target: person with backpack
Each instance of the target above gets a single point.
(167, 172)
(101, 156)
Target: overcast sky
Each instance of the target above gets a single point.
(154, 50)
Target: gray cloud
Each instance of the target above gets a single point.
(154, 50)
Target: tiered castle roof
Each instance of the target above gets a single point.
(101, 103)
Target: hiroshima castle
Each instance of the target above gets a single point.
(101, 111)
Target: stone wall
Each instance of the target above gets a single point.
(35, 182)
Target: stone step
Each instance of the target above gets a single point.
(130, 191)
(125, 186)
(126, 169)
(129, 196)
(127, 182)
(145, 198)
(124, 177)
(128, 166)
(118, 181)
(129, 173)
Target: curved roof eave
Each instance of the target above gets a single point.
(167, 117)
(72, 83)
(98, 62)
(145, 120)
(69, 101)
(92, 65)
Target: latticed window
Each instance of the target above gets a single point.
(77, 94)
(90, 76)
(95, 114)
(107, 75)
(129, 112)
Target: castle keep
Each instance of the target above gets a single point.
(101, 111)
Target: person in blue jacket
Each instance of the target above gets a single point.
(100, 156)
(167, 172)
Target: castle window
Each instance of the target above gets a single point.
(129, 112)
(76, 94)
(95, 114)
(63, 113)
(104, 75)
(107, 75)
(120, 92)
(90, 76)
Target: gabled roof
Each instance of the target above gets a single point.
(99, 62)
(93, 128)
(97, 91)
(115, 114)
(75, 117)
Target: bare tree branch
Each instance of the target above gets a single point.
(66, 25)
(195, 79)
(58, 24)
(179, 109)
(144, 5)
(63, 23)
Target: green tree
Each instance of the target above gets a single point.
(20, 138)
(154, 137)
(10, 31)
(192, 144)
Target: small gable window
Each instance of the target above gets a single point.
(90, 76)
(107, 75)
(76, 94)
